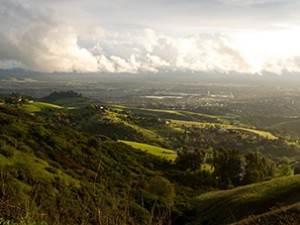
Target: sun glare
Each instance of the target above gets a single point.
(260, 47)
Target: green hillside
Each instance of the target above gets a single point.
(156, 127)
(279, 123)
(161, 152)
(293, 125)
(53, 175)
(282, 215)
(225, 207)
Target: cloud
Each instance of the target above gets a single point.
(32, 37)
(250, 2)
(10, 64)
(280, 65)
(35, 37)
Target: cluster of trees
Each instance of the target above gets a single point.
(54, 96)
(229, 167)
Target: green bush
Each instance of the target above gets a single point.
(161, 187)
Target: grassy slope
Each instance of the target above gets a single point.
(289, 125)
(197, 119)
(154, 150)
(224, 207)
(149, 134)
(37, 166)
(39, 106)
(286, 215)
(174, 114)
(226, 126)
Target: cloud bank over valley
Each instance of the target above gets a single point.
(40, 37)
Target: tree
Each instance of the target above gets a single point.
(228, 167)
(161, 187)
(190, 159)
(258, 168)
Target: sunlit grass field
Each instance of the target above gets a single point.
(154, 150)
(39, 106)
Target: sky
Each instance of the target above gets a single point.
(142, 36)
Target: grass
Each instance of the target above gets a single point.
(150, 134)
(36, 166)
(174, 114)
(264, 134)
(261, 133)
(221, 207)
(285, 215)
(154, 150)
(39, 106)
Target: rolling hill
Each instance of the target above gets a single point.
(262, 200)
(165, 128)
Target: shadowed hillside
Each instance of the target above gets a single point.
(276, 200)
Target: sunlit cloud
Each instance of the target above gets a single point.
(39, 38)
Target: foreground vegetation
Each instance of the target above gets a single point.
(58, 176)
